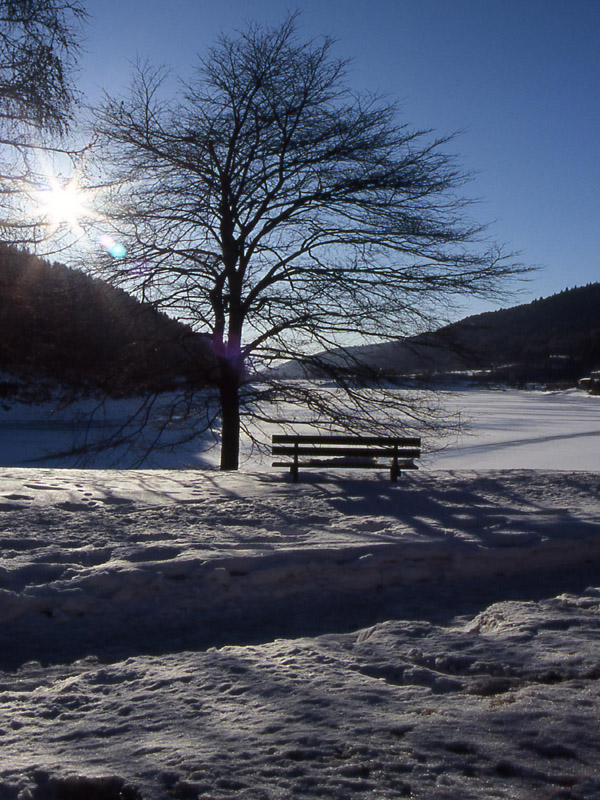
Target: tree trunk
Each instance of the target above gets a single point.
(229, 392)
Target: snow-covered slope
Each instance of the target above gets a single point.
(202, 635)
(502, 705)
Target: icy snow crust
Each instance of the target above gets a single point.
(170, 634)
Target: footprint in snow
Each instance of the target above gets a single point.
(117, 501)
(371, 525)
(156, 553)
(69, 506)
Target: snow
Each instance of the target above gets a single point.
(50, 433)
(524, 430)
(502, 429)
(192, 634)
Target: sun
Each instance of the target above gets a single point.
(64, 204)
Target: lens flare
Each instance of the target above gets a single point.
(115, 249)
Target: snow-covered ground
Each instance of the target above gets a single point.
(191, 634)
(524, 430)
(508, 429)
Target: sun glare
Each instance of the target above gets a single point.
(64, 204)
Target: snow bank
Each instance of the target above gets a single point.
(158, 635)
(92, 556)
(503, 705)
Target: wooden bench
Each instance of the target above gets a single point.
(345, 452)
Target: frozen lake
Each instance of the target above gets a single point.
(503, 430)
(524, 430)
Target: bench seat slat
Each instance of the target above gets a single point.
(339, 465)
(327, 464)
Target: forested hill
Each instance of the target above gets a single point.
(564, 326)
(61, 324)
(552, 339)
(556, 337)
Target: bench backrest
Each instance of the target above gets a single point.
(340, 444)
(334, 438)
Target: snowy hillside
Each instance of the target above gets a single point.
(192, 634)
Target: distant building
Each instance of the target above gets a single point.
(591, 383)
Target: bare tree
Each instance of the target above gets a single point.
(268, 204)
(38, 45)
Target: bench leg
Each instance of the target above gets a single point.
(294, 467)
(394, 470)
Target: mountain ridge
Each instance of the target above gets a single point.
(61, 325)
(556, 338)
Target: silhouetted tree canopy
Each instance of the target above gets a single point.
(281, 212)
(39, 41)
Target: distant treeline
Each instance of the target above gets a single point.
(548, 341)
(555, 338)
(61, 324)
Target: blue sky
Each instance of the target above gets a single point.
(519, 78)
